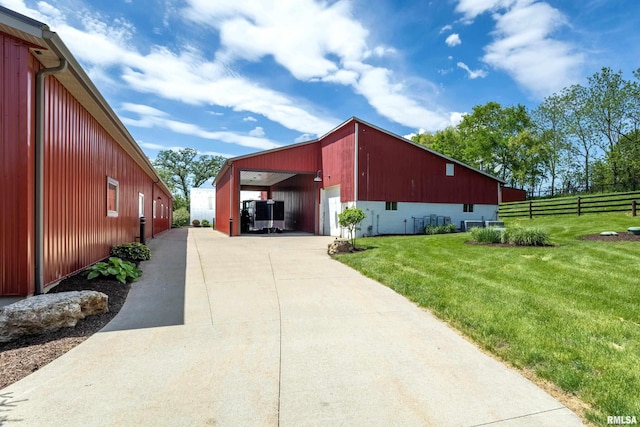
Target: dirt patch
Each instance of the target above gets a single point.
(623, 236)
(21, 357)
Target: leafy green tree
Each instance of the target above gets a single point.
(447, 142)
(490, 133)
(183, 169)
(549, 119)
(349, 219)
(607, 105)
(580, 132)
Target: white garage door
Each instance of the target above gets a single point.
(332, 207)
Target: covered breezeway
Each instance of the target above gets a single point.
(290, 175)
(297, 191)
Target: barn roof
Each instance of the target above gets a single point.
(48, 48)
(230, 161)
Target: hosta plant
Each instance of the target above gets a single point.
(119, 269)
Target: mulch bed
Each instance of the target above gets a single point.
(20, 357)
(622, 236)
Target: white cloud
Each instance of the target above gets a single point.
(412, 134)
(523, 46)
(154, 118)
(305, 137)
(456, 118)
(446, 28)
(249, 119)
(258, 132)
(389, 100)
(161, 147)
(453, 40)
(472, 74)
(472, 8)
(314, 42)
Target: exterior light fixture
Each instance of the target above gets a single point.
(318, 178)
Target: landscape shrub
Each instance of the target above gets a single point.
(440, 229)
(486, 235)
(349, 219)
(133, 252)
(529, 236)
(180, 217)
(195, 223)
(119, 269)
(206, 223)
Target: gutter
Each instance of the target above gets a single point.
(39, 173)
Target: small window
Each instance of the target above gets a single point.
(450, 169)
(113, 197)
(391, 206)
(467, 208)
(140, 205)
(154, 209)
(161, 210)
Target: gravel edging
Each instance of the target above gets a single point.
(27, 354)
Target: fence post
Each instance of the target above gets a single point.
(578, 205)
(633, 208)
(530, 209)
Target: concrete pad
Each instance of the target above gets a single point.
(273, 332)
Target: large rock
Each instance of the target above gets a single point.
(339, 246)
(49, 312)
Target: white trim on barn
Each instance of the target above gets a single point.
(408, 216)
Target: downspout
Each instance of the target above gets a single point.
(39, 174)
(355, 169)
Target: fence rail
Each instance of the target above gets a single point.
(616, 202)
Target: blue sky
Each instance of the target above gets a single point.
(232, 77)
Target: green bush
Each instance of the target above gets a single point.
(486, 235)
(530, 236)
(133, 252)
(206, 223)
(440, 229)
(180, 217)
(121, 270)
(195, 223)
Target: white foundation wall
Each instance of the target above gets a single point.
(381, 221)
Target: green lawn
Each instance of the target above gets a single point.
(570, 313)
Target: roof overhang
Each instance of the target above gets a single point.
(263, 178)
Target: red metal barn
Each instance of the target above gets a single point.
(400, 185)
(74, 181)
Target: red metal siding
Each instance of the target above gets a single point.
(79, 156)
(16, 167)
(510, 194)
(223, 208)
(391, 169)
(303, 158)
(300, 204)
(338, 161)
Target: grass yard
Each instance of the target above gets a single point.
(568, 313)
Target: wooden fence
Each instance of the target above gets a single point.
(617, 202)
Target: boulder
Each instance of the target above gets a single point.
(339, 246)
(608, 233)
(49, 312)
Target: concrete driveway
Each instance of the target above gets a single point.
(269, 331)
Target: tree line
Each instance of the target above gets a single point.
(183, 169)
(581, 139)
